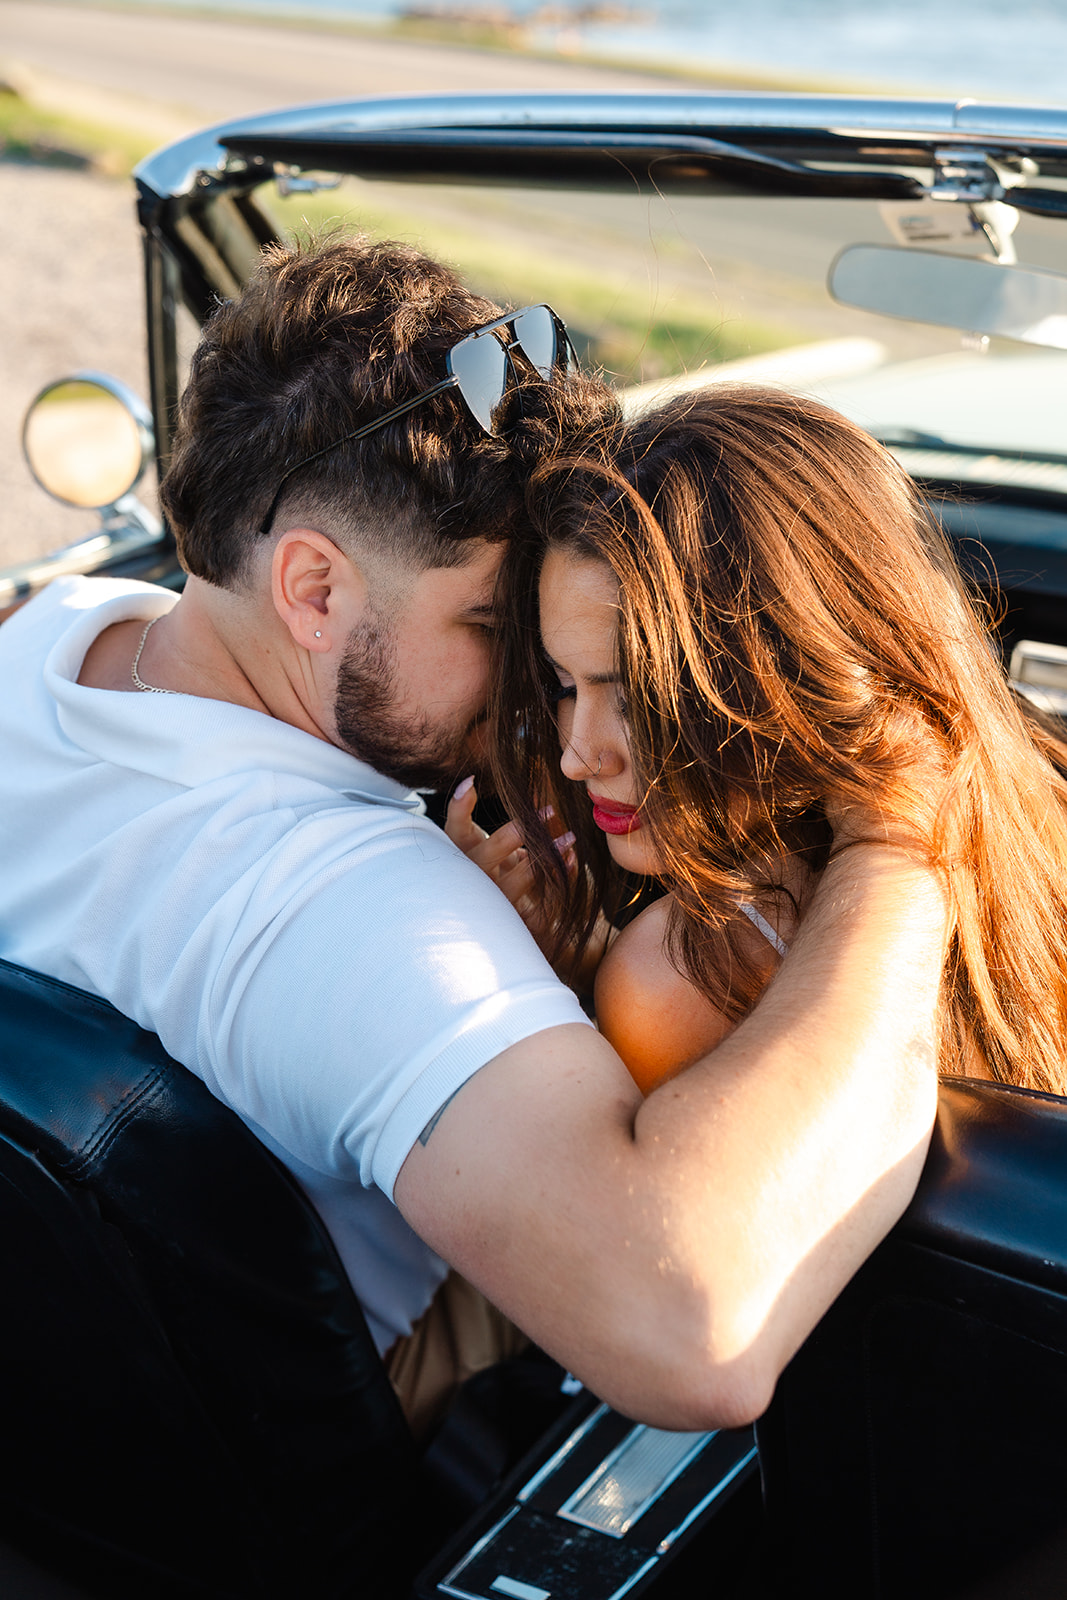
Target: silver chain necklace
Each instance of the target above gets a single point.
(138, 681)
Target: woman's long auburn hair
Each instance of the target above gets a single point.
(792, 625)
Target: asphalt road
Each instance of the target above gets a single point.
(190, 71)
(70, 276)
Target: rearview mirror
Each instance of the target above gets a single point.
(984, 297)
(87, 440)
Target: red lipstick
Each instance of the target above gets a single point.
(612, 817)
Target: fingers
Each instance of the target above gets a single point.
(516, 880)
(497, 853)
(493, 851)
(500, 854)
(460, 825)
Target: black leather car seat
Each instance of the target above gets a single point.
(192, 1404)
(916, 1448)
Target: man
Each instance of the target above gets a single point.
(208, 819)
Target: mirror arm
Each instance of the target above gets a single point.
(128, 529)
(127, 516)
(972, 177)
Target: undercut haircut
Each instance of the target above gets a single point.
(326, 337)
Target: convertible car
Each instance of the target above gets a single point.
(193, 1405)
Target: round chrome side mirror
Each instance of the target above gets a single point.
(87, 440)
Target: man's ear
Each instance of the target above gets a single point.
(318, 592)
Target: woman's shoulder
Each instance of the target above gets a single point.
(657, 1020)
(636, 971)
(641, 940)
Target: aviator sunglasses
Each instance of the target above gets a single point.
(479, 366)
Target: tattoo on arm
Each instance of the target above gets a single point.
(424, 1136)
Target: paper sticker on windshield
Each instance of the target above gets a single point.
(930, 222)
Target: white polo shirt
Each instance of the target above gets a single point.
(285, 918)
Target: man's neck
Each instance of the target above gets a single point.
(209, 645)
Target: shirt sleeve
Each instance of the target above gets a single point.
(353, 1001)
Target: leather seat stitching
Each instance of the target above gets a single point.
(118, 1118)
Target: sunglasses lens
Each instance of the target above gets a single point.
(535, 332)
(480, 365)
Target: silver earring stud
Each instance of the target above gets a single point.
(318, 633)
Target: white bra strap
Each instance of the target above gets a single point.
(759, 921)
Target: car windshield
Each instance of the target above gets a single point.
(665, 289)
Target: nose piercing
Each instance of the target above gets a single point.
(588, 764)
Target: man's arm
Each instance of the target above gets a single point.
(675, 1252)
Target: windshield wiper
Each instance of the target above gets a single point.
(918, 439)
(601, 156)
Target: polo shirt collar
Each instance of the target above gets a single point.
(182, 738)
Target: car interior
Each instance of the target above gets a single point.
(195, 1406)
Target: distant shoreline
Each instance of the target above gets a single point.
(902, 49)
(720, 75)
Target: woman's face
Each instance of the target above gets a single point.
(579, 617)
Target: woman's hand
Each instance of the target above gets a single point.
(501, 856)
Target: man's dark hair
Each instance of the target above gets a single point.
(325, 338)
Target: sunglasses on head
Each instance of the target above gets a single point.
(480, 366)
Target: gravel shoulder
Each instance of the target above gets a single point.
(71, 297)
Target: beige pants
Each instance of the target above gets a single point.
(457, 1335)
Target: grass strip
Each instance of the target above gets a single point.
(48, 138)
(616, 322)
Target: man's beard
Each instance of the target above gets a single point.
(410, 750)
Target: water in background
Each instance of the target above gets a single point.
(1012, 50)
(1001, 49)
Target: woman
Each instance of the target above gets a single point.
(745, 609)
